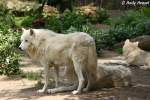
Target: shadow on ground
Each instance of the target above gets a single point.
(23, 89)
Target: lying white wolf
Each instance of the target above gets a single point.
(135, 56)
(108, 76)
(76, 50)
(113, 75)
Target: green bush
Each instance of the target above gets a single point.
(74, 19)
(134, 23)
(130, 25)
(133, 17)
(146, 11)
(96, 34)
(54, 23)
(6, 17)
(27, 21)
(9, 40)
(9, 58)
(101, 15)
(61, 23)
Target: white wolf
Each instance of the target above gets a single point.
(135, 56)
(76, 50)
(108, 75)
(113, 75)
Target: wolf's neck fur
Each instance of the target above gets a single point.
(35, 52)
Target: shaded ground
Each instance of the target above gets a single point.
(23, 89)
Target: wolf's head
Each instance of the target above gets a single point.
(26, 38)
(130, 46)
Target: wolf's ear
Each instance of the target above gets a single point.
(32, 32)
(136, 43)
(127, 41)
(23, 29)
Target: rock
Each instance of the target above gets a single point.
(142, 41)
(145, 44)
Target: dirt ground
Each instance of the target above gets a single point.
(23, 89)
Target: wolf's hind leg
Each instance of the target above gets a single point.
(56, 68)
(78, 69)
(89, 83)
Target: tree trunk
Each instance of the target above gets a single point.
(41, 8)
(101, 5)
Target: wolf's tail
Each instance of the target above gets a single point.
(92, 61)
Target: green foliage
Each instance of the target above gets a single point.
(134, 23)
(103, 38)
(9, 40)
(120, 33)
(54, 23)
(146, 11)
(63, 22)
(101, 15)
(27, 21)
(74, 19)
(6, 17)
(36, 21)
(130, 25)
(9, 59)
(96, 34)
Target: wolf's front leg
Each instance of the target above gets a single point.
(56, 68)
(46, 70)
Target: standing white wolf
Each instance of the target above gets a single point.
(76, 50)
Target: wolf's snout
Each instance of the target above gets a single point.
(20, 48)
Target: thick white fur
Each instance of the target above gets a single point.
(107, 76)
(76, 51)
(114, 75)
(135, 56)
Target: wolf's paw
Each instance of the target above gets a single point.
(40, 91)
(51, 91)
(76, 92)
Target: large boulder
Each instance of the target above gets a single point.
(144, 44)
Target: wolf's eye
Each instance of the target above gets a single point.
(26, 40)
